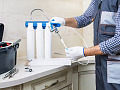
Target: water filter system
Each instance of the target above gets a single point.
(39, 35)
(39, 41)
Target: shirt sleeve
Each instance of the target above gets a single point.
(112, 45)
(85, 19)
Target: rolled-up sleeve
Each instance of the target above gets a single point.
(112, 45)
(85, 19)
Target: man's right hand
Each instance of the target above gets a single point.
(57, 20)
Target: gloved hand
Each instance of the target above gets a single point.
(75, 53)
(57, 20)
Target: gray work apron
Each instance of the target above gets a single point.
(104, 28)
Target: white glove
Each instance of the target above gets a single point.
(75, 53)
(58, 20)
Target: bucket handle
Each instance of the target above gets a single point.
(16, 42)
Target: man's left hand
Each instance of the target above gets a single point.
(75, 53)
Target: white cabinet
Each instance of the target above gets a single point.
(7, 88)
(69, 87)
(83, 77)
(75, 78)
(19, 87)
(58, 81)
(87, 80)
(86, 77)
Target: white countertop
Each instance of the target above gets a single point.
(38, 72)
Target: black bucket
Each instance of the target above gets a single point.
(8, 56)
(1, 31)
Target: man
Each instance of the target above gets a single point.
(106, 17)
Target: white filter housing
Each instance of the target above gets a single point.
(30, 42)
(40, 42)
(48, 42)
(38, 33)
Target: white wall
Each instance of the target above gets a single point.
(88, 30)
(14, 13)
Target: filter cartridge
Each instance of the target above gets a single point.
(40, 42)
(48, 42)
(30, 42)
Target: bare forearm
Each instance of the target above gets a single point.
(93, 51)
(71, 22)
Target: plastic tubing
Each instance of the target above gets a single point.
(86, 46)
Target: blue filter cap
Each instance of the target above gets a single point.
(35, 23)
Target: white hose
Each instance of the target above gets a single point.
(86, 46)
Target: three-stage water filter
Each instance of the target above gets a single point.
(39, 40)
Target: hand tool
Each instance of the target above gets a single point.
(11, 73)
